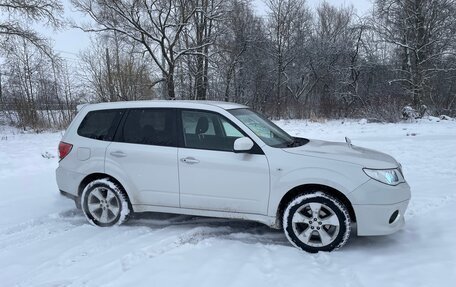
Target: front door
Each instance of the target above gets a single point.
(211, 175)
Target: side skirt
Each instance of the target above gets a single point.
(267, 220)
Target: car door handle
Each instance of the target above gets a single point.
(118, 153)
(190, 160)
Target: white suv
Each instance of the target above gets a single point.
(224, 160)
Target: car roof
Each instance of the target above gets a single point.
(164, 104)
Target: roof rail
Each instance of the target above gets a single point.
(80, 107)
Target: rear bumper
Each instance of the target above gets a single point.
(68, 180)
(76, 200)
(380, 208)
(68, 184)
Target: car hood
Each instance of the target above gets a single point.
(344, 152)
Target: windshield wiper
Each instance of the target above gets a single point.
(292, 143)
(297, 142)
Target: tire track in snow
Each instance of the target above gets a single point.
(192, 236)
(41, 229)
(95, 252)
(98, 273)
(90, 252)
(328, 264)
(170, 234)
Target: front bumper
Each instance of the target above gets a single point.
(379, 208)
(380, 219)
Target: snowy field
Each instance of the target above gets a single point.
(46, 241)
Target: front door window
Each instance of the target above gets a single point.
(206, 130)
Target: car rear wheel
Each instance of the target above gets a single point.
(316, 222)
(105, 203)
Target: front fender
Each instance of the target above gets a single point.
(282, 182)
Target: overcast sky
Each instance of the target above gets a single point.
(69, 42)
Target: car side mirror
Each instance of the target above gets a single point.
(243, 144)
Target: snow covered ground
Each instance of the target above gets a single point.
(45, 241)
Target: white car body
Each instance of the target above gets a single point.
(225, 184)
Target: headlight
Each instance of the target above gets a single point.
(386, 176)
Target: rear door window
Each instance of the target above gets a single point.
(149, 126)
(100, 125)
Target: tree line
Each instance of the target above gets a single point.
(289, 62)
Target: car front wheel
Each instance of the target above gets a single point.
(316, 222)
(105, 203)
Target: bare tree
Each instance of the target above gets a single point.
(157, 25)
(114, 71)
(36, 88)
(288, 22)
(240, 55)
(333, 58)
(207, 13)
(21, 13)
(423, 33)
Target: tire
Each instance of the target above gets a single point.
(105, 203)
(304, 222)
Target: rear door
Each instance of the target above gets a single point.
(145, 151)
(214, 177)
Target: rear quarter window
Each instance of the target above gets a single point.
(100, 125)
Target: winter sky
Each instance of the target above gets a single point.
(69, 42)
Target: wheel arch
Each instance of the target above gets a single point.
(307, 188)
(99, 175)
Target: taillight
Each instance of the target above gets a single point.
(64, 149)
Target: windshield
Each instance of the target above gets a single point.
(271, 134)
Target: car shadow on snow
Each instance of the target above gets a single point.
(249, 232)
(73, 216)
(239, 230)
(254, 232)
(228, 229)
